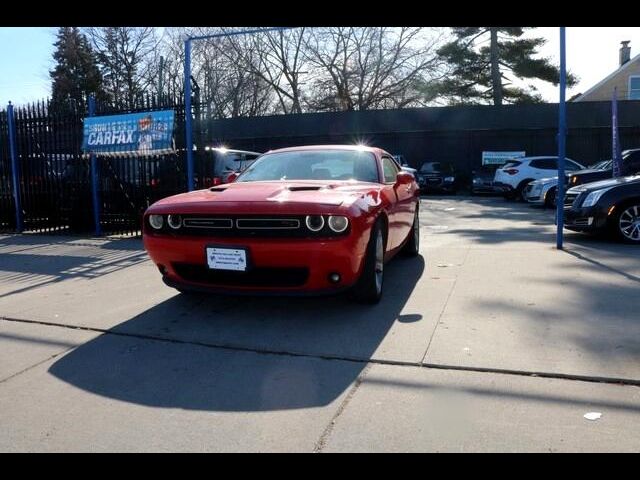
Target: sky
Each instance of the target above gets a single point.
(592, 54)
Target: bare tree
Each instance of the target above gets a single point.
(230, 88)
(128, 57)
(362, 68)
(277, 58)
(293, 70)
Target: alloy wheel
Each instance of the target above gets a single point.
(416, 231)
(629, 223)
(379, 262)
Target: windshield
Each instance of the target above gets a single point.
(313, 165)
(603, 165)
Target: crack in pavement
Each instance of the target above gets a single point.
(24, 370)
(343, 358)
(328, 430)
(444, 307)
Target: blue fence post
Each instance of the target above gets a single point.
(15, 167)
(94, 178)
(187, 113)
(562, 131)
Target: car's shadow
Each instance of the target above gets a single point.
(241, 353)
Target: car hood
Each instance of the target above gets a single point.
(275, 193)
(545, 181)
(611, 182)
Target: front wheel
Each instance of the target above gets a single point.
(412, 245)
(627, 224)
(550, 199)
(368, 289)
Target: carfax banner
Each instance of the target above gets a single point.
(500, 158)
(146, 133)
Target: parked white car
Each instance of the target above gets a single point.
(543, 191)
(513, 177)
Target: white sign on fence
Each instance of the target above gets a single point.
(499, 158)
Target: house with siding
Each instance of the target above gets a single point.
(626, 79)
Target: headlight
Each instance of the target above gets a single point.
(174, 221)
(156, 221)
(338, 223)
(449, 179)
(315, 223)
(593, 197)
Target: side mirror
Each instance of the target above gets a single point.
(232, 177)
(404, 178)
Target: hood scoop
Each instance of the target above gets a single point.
(309, 188)
(218, 189)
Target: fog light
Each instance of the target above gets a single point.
(334, 277)
(156, 221)
(174, 221)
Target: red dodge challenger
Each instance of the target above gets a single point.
(301, 220)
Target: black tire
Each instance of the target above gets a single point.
(368, 288)
(624, 220)
(510, 195)
(411, 247)
(185, 292)
(520, 190)
(550, 199)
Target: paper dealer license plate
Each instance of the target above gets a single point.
(227, 259)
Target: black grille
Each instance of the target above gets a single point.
(255, 277)
(208, 223)
(267, 223)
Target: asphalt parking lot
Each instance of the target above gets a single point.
(490, 341)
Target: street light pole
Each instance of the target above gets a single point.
(187, 113)
(562, 128)
(187, 92)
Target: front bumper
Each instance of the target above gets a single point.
(435, 185)
(590, 219)
(276, 265)
(484, 187)
(503, 188)
(535, 195)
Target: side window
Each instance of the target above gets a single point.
(632, 162)
(390, 170)
(634, 87)
(535, 164)
(545, 164)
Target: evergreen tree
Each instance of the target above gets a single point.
(76, 74)
(485, 61)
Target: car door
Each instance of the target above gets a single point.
(403, 209)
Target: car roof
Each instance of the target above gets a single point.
(231, 150)
(364, 148)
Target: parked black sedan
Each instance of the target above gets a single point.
(482, 181)
(630, 166)
(609, 205)
(437, 177)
